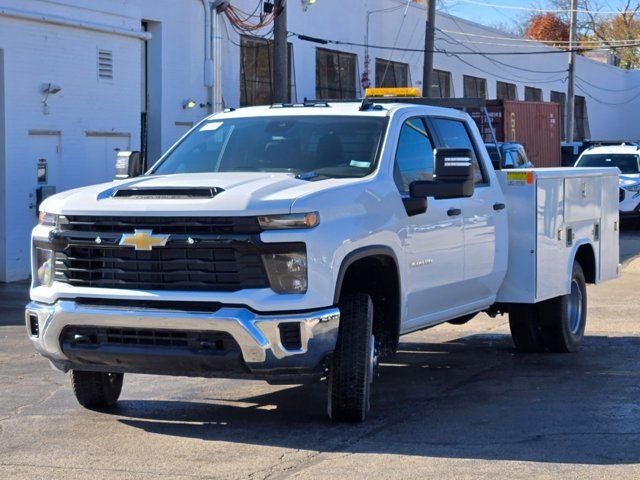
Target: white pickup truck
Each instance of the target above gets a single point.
(299, 242)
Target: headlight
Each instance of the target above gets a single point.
(48, 219)
(294, 220)
(44, 267)
(287, 272)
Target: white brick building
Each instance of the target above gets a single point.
(125, 69)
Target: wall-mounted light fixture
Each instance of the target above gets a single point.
(190, 103)
(307, 3)
(48, 89)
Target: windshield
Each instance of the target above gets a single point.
(318, 146)
(627, 162)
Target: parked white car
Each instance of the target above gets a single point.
(627, 159)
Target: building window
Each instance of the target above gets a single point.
(474, 87)
(105, 65)
(561, 98)
(581, 131)
(256, 71)
(532, 94)
(335, 74)
(391, 74)
(441, 86)
(506, 91)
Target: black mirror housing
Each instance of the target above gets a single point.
(453, 176)
(128, 165)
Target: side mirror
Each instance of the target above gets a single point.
(128, 165)
(453, 176)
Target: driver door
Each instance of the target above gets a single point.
(432, 241)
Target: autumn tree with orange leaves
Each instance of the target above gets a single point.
(548, 28)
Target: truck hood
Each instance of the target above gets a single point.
(238, 194)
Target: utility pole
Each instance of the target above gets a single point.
(429, 45)
(280, 54)
(571, 98)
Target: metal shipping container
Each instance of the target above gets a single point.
(536, 125)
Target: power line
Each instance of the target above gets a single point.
(395, 42)
(530, 40)
(519, 77)
(325, 41)
(603, 102)
(538, 10)
(502, 77)
(608, 89)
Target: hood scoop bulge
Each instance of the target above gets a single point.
(170, 193)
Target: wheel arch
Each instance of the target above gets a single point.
(586, 257)
(375, 270)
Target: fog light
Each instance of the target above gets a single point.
(287, 272)
(44, 267)
(34, 325)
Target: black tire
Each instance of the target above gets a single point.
(525, 328)
(95, 390)
(561, 325)
(350, 372)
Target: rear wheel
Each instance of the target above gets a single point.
(353, 361)
(563, 319)
(96, 390)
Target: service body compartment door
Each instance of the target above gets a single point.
(582, 199)
(609, 242)
(552, 251)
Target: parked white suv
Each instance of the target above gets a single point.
(626, 158)
(298, 242)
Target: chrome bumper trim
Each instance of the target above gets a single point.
(257, 335)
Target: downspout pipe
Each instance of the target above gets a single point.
(208, 58)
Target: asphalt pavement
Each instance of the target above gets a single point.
(455, 402)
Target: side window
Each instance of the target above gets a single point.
(414, 156)
(522, 159)
(454, 134)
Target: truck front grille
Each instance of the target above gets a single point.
(161, 225)
(182, 268)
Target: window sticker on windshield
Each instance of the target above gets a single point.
(210, 127)
(359, 164)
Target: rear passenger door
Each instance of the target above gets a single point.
(432, 241)
(478, 216)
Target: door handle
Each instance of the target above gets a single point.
(499, 206)
(454, 212)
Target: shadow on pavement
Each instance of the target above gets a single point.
(472, 398)
(13, 298)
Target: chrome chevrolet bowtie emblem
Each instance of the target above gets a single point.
(143, 240)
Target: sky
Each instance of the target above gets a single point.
(492, 16)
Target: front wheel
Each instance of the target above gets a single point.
(95, 390)
(563, 319)
(353, 361)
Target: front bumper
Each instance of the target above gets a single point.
(261, 350)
